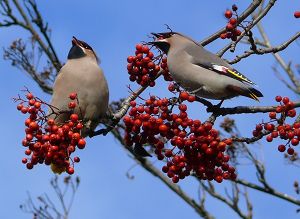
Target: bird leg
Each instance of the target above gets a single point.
(109, 121)
(204, 102)
(215, 108)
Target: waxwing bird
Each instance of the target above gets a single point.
(200, 71)
(81, 74)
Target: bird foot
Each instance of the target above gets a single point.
(214, 108)
(109, 126)
(99, 132)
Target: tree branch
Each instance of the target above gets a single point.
(251, 8)
(255, 21)
(262, 51)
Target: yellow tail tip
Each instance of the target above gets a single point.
(254, 97)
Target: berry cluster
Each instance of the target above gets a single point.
(277, 126)
(231, 28)
(195, 147)
(144, 66)
(297, 14)
(47, 142)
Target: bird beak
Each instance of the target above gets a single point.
(75, 41)
(157, 35)
(159, 39)
(158, 42)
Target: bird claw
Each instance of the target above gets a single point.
(214, 108)
(99, 132)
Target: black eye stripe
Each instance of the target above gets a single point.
(85, 45)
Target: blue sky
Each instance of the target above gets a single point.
(113, 28)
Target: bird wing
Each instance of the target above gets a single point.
(223, 70)
(205, 59)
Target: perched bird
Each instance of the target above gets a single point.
(200, 71)
(81, 74)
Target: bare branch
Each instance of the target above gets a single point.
(247, 109)
(268, 191)
(255, 21)
(146, 164)
(46, 208)
(251, 8)
(291, 74)
(262, 51)
(233, 204)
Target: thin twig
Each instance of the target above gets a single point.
(251, 8)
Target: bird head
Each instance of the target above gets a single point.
(168, 40)
(163, 41)
(81, 49)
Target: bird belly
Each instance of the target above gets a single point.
(202, 82)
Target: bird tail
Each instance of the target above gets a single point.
(253, 94)
(250, 92)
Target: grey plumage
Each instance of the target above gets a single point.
(200, 71)
(81, 74)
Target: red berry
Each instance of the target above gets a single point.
(29, 96)
(139, 47)
(175, 179)
(19, 106)
(291, 113)
(81, 143)
(145, 49)
(79, 126)
(234, 7)
(34, 126)
(297, 14)
(290, 151)
(285, 100)
(31, 102)
(223, 35)
(37, 105)
(50, 122)
(171, 87)
(281, 148)
(229, 27)
(29, 166)
(184, 95)
(72, 105)
(269, 138)
(219, 179)
(258, 127)
(70, 170)
(24, 160)
(295, 141)
(28, 152)
(228, 14)
(182, 107)
(278, 98)
(24, 110)
(74, 117)
(233, 21)
(130, 59)
(76, 159)
(163, 128)
(192, 98)
(272, 115)
(237, 32)
(73, 96)
(165, 169)
(75, 136)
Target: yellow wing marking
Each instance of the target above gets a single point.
(239, 76)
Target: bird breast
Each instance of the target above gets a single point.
(84, 77)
